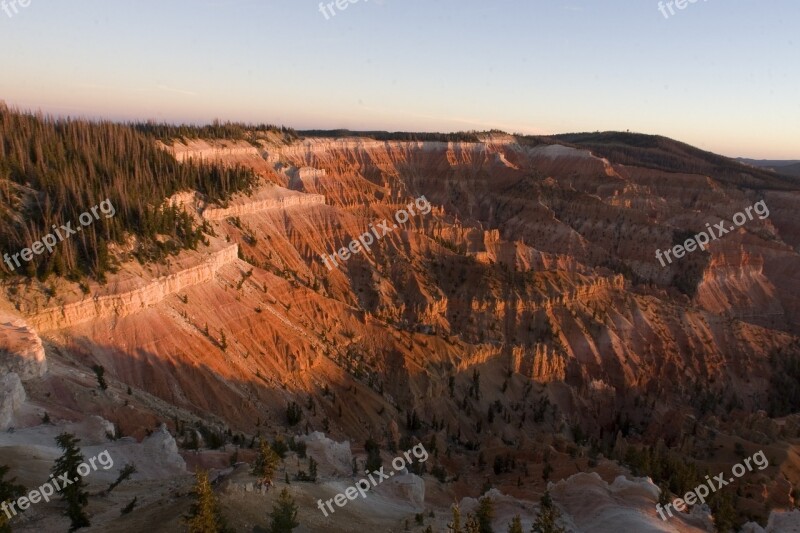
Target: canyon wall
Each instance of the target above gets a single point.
(132, 301)
(247, 208)
(198, 149)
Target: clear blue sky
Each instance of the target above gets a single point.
(721, 74)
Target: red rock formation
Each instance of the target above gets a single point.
(534, 274)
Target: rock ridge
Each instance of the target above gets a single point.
(129, 302)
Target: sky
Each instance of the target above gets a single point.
(723, 75)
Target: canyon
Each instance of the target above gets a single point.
(526, 314)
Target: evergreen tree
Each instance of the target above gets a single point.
(129, 508)
(280, 447)
(266, 462)
(547, 520)
(284, 514)
(74, 494)
(294, 414)
(516, 525)
(476, 384)
(547, 470)
(663, 496)
(100, 373)
(312, 470)
(472, 525)
(204, 514)
(69, 166)
(9, 491)
(455, 525)
(485, 514)
(127, 471)
(724, 509)
(374, 461)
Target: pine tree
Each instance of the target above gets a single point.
(127, 471)
(266, 462)
(724, 510)
(294, 414)
(485, 514)
(312, 470)
(663, 496)
(8, 491)
(74, 494)
(472, 525)
(476, 384)
(374, 461)
(455, 525)
(547, 470)
(100, 373)
(284, 514)
(205, 515)
(129, 508)
(547, 520)
(516, 525)
(70, 165)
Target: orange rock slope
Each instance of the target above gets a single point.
(539, 259)
(535, 265)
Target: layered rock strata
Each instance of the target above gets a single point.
(129, 302)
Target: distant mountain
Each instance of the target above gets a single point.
(768, 163)
(791, 170)
(789, 167)
(662, 153)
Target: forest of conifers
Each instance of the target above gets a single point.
(169, 133)
(52, 170)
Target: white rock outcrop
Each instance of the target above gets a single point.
(336, 455)
(779, 522)
(21, 349)
(272, 198)
(506, 507)
(205, 150)
(162, 446)
(310, 173)
(404, 487)
(92, 431)
(589, 503)
(12, 396)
